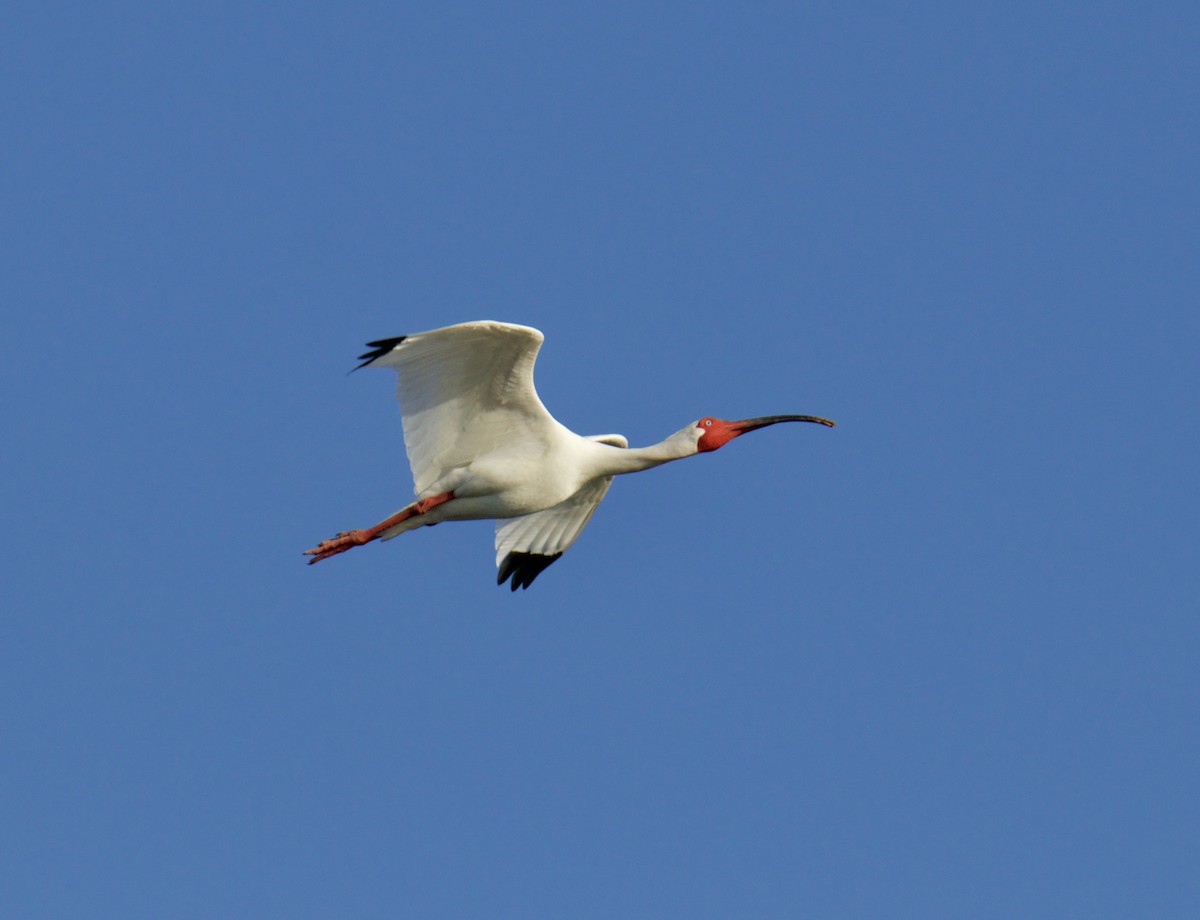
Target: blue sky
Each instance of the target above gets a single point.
(938, 662)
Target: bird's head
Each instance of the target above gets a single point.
(712, 433)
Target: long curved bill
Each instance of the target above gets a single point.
(749, 424)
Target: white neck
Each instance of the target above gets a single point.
(612, 461)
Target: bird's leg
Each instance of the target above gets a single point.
(348, 539)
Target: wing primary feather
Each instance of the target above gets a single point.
(506, 569)
(379, 348)
(524, 568)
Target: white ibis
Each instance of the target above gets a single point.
(481, 446)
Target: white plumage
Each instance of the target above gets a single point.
(482, 445)
(463, 390)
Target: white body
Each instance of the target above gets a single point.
(474, 426)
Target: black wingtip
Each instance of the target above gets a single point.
(524, 568)
(379, 348)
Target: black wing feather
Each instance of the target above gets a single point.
(524, 568)
(379, 348)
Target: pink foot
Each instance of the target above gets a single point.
(351, 538)
(346, 540)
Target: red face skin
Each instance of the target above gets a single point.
(719, 432)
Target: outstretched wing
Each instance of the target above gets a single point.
(526, 546)
(464, 390)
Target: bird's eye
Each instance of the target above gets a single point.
(708, 423)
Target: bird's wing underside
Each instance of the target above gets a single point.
(526, 545)
(464, 390)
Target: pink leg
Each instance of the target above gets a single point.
(349, 539)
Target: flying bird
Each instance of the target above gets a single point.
(482, 446)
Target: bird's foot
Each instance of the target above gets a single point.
(348, 539)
